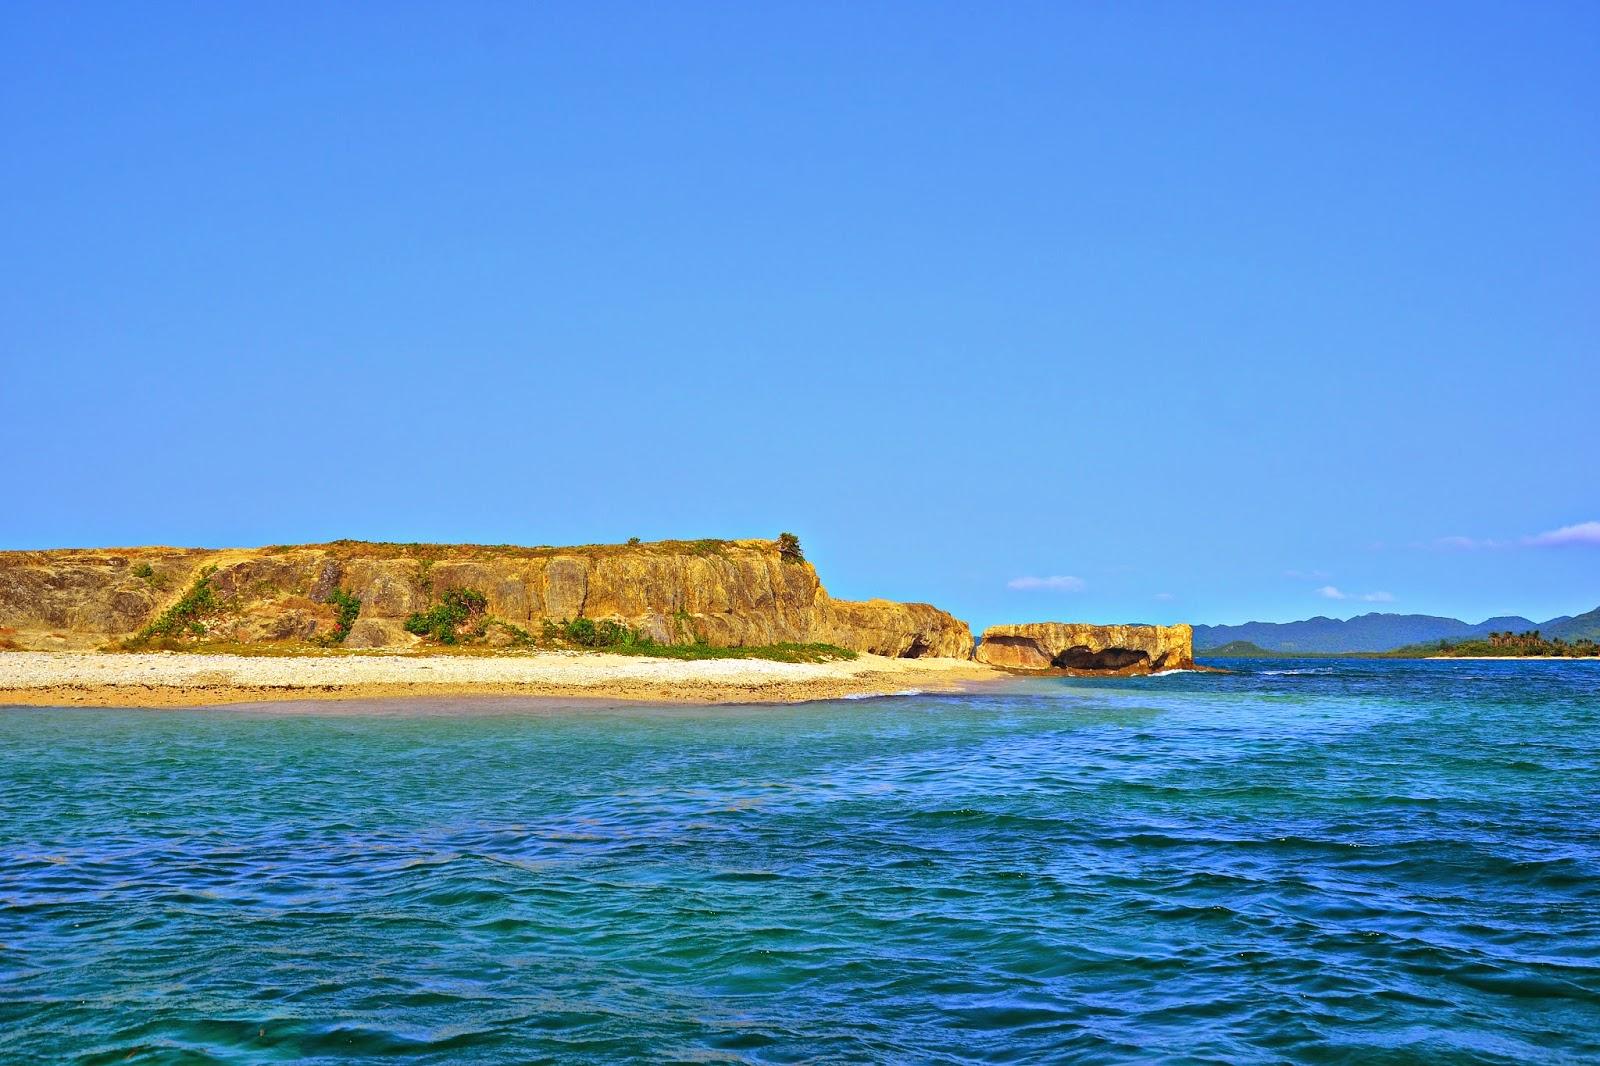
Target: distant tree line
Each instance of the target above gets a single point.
(1511, 645)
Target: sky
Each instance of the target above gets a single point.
(1102, 312)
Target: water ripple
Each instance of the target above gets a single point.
(1374, 861)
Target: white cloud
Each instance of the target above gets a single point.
(1332, 593)
(1463, 544)
(1584, 533)
(1057, 582)
(1165, 597)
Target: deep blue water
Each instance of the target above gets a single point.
(1308, 861)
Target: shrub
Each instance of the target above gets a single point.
(184, 616)
(457, 610)
(149, 575)
(608, 635)
(602, 635)
(782, 653)
(614, 635)
(517, 636)
(581, 631)
(789, 548)
(633, 542)
(348, 608)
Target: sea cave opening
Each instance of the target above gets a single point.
(1082, 658)
(919, 648)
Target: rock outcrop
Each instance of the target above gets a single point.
(725, 593)
(1079, 647)
(899, 630)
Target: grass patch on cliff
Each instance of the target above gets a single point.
(463, 552)
(273, 649)
(151, 576)
(778, 653)
(183, 617)
(619, 639)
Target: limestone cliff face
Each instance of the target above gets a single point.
(1074, 646)
(726, 593)
(901, 630)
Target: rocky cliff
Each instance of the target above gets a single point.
(725, 593)
(1072, 646)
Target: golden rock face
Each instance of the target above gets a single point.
(726, 593)
(1078, 646)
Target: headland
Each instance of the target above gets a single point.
(678, 621)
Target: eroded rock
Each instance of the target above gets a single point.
(1082, 647)
(379, 633)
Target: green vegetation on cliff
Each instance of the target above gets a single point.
(183, 617)
(788, 652)
(460, 620)
(459, 615)
(347, 608)
(789, 548)
(620, 639)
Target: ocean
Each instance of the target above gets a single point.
(1302, 861)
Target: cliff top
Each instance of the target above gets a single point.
(377, 549)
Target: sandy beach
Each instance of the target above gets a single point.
(175, 679)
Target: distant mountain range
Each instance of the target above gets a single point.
(1385, 632)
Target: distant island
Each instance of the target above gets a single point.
(1506, 645)
(1410, 635)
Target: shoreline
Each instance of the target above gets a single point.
(180, 679)
(1515, 658)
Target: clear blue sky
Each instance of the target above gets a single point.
(1207, 307)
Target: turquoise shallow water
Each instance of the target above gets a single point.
(1304, 861)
